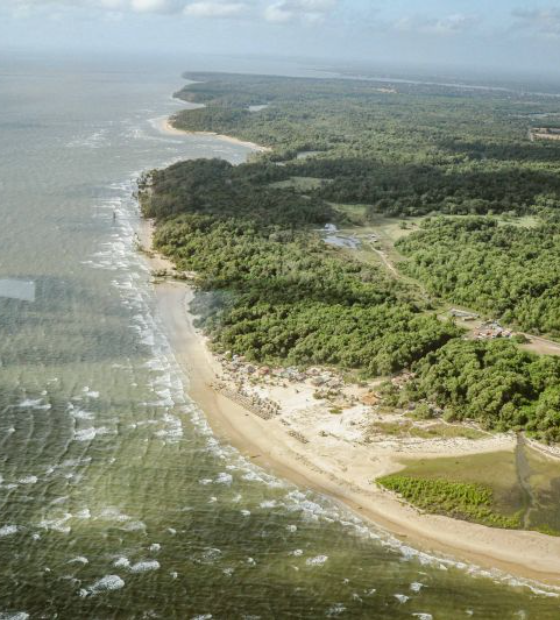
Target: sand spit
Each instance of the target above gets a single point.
(166, 126)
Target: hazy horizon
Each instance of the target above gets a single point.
(511, 37)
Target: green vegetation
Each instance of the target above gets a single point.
(284, 296)
(420, 150)
(523, 487)
(439, 430)
(460, 500)
(508, 271)
(493, 382)
(346, 153)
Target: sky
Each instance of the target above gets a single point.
(508, 35)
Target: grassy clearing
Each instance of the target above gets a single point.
(438, 430)
(355, 213)
(447, 431)
(544, 479)
(301, 184)
(460, 500)
(391, 229)
(526, 221)
(497, 472)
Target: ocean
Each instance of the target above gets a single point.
(116, 501)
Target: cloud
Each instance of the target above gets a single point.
(274, 11)
(212, 8)
(283, 11)
(446, 25)
(151, 6)
(540, 22)
(136, 6)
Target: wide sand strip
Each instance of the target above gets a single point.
(338, 465)
(166, 126)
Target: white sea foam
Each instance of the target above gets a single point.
(336, 610)
(8, 530)
(268, 504)
(80, 559)
(81, 414)
(37, 404)
(89, 434)
(224, 478)
(90, 393)
(95, 140)
(121, 562)
(105, 584)
(173, 430)
(318, 560)
(114, 514)
(145, 566)
(57, 524)
(209, 556)
(85, 513)
(134, 526)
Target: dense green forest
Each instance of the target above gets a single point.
(288, 299)
(493, 382)
(272, 290)
(412, 152)
(510, 271)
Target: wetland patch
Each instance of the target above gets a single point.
(517, 489)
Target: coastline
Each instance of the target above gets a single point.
(167, 127)
(337, 465)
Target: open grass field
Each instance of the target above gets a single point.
(300, 184)
(523, 485)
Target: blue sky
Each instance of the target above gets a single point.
(513, 35)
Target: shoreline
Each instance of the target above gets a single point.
(339, 467)
(167, 127)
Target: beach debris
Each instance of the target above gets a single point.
(298, 436)
(491, 330)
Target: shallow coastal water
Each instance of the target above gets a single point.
(115, 499)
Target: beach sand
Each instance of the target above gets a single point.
(335, 462)
(167, 127)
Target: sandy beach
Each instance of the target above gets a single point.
(166, 126)
(305, 443)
